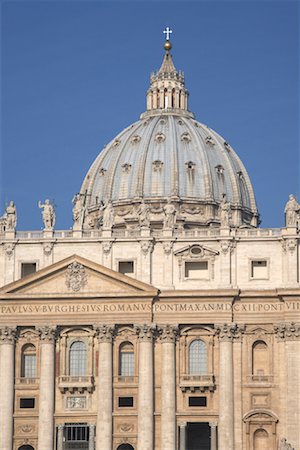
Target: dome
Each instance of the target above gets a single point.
(169, 157)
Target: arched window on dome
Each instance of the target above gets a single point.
(28, 361)
(197, 357)
(77, 359)
(126, 359)
(173, 98)
(166, 99)
(260, 359)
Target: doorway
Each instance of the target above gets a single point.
(125, 447)
(26, 447)
(198, 436)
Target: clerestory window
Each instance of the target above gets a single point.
(197, 357)
(78, 359)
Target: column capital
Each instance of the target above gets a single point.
(105, 333)
(60, 427)
(287, 331)
(47, 334)
(229, 331)
(145, 332)
(213, 424)
(168, 333)
(183, 424)
(7, 335)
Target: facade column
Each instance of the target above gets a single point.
(146, 394)
(213, 436)
(226, 407)
(182, 436)
(47, 381)
(238, 396)
(60, 437)
(105, 388)
(92, 436)
(7, 379)
(168, 387)
(290, 333)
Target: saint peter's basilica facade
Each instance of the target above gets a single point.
(165, 319)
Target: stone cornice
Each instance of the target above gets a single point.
(7, 335)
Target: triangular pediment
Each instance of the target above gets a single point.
(196, 251)
(76, 277)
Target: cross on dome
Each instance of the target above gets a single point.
(167, 32)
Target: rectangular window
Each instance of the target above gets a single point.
(126, 267)
(197, 270)
(27, 269)
(27, 402)
(197, 401)
(125, 402)
(259, 269)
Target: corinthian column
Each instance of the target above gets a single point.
(105, 388)
(168, 387)
(7, 341)
(226, 406)
(145, 406)
(47, 381)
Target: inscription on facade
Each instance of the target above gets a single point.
(207, 307)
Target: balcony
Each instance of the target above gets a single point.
(72, 384)
(121, 380)
(262, 379)
(26, 383)
(193, 383)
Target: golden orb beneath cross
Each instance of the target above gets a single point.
(167, 45)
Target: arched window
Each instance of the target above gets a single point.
(78, 359)
(26, 447)
(260, 358)
(198, 358)
(126, 360)
(28, 363)
(261, 440)
(125, 447)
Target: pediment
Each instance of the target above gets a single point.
(196, 251)
(76, 277)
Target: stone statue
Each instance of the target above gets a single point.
(170, 215)
(225, 212)
(48, 214)
(143, 213)
(78, 210)
(108, 216)
(11, 216)
(284, 445)
(292, 212)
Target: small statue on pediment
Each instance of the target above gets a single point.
(225, 212)
(143, 215)
(48, 214)
(170, 215)
(11, 216)
(292, 212)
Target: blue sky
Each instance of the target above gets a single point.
(75, 73)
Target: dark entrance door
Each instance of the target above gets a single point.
(198, 436)
(125, 447)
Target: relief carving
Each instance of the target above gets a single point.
(7, 335)
(76, 277)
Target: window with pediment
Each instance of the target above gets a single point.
(78, 359)
(260, 358)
